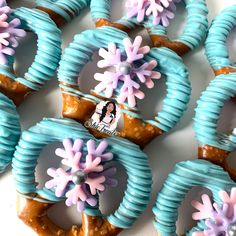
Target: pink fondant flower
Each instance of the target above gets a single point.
(161, 10)
(9, 32)
(126, 71)
(219, 220)
(85, 176)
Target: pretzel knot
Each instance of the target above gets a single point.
(213, 145)
(128, 67)
(86, 172)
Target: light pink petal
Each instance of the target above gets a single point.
(96, 184)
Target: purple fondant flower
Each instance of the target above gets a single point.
(161, 10)
(86, 174)
(219, 220)
(9, 32)
(126, 71)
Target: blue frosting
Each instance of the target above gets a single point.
(210, 104)
(216, 47)
(9, 131)
(48, 52)
(129, 155)
(184, 177)
(80, 52)
(194, 32)
(68, 9)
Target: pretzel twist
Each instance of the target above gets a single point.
(215, 146)
(81, 106)
(33, 202)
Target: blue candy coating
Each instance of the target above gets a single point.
(80, 52)
(129, 155)
(194, 32)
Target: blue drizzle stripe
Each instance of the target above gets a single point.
(68, 9)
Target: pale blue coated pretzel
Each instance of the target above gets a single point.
(129, 155)
(221, 89)
(48, 49)
(185, 176)
(42, 70)
(216, 45)
(66, 9)
(80, 52)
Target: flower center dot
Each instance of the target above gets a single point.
(79, 177)
(125, 68)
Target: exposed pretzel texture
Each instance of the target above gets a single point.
(34, 214)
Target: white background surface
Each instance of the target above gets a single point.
(163, 152)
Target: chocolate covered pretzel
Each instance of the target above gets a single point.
(213, 145)
(115, 95)
(133, 67)
(216, 216)
(13, 89)
(87, 171)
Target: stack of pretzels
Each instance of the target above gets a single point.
(87, 128)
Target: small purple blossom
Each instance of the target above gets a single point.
(125, 71)
(218, 219)
(161, 10)
(9, 32)
(86, 174)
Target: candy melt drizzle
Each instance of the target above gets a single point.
(86, 175)
(9, 32)
(127, 73)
